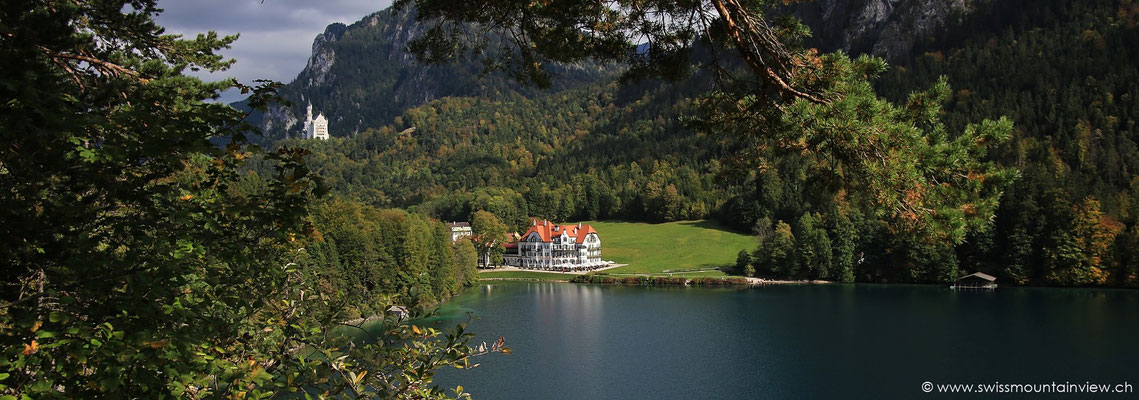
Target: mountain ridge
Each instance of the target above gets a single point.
(361, 76)
(890, 29)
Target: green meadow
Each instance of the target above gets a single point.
(685, 248)
(684, 245)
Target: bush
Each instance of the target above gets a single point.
(657, 280)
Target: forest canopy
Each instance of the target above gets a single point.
(779, 97)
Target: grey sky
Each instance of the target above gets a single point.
(276, 37)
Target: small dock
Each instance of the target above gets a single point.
(975, 281)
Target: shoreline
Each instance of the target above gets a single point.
(761, 281)
(510, 269)
(522, 280)
(644, 279)
(659, 280)
(766, 282)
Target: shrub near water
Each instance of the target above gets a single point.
(656, 280)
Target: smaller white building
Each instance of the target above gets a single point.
(460, 230)
(315, 128)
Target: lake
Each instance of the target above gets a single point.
(791, 341)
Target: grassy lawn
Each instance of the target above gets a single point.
(527, 274)
(696, 274)
(653, 248)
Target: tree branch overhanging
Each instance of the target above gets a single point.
(757, 43)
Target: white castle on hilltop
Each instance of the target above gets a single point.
(315, 128)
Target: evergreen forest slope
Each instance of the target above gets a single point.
(1064, 71)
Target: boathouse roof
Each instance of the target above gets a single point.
(979, 275)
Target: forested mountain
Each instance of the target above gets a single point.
(1061, 70)
(361, 76)
(600, 151)
(1066, 73)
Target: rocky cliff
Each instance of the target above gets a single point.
(885, 28)
(361, 76)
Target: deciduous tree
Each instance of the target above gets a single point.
(488, 234)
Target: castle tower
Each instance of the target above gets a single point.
(320, 127)
(315, 128)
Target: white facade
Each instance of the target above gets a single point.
(460, 230)
(551, 247)
(315, 128)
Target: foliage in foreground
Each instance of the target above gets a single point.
(138, 262)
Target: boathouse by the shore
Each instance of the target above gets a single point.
(976, 280)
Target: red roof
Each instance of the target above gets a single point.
(584, 231)
(547, 231)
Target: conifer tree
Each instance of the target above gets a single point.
(138, 262)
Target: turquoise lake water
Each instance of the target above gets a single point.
(791, 342)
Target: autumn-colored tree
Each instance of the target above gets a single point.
(488, 235)
(777, 256)
(1078, 255)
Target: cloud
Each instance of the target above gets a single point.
(276, 36)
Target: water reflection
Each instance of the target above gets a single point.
(863, 341)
